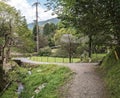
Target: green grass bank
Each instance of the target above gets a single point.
(44, 81)
(111, 71)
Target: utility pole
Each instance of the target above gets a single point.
(37, 27)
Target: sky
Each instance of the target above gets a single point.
(27, 10)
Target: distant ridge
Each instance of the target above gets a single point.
(42, 23)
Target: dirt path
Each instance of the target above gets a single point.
(85, 83)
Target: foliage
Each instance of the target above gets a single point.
(60, 32)
(49, 31)
(68, 42)
(110, 68)
(46, 51)
(59, 53)
(25, 38)
(54, 76)
(51, 42)
(98, 19)
(13, 32)
(9, 20)
(34, 33)
(17, 74)
(43, 41)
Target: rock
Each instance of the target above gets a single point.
(20, 88)
(39, 88)
(29, 72)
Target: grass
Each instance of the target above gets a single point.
(52, 75)
(99, 56)
(111, 70)
(53, 59)
(95, 57)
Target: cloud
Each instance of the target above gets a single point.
(28, 10)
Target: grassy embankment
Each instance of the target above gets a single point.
(52, 76)
(111, 71)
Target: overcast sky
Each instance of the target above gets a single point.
(27, 10)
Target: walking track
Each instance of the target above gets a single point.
(86, 83)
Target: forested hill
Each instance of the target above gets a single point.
(42, 23)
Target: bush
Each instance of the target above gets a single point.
(60, 53)
(45, 51)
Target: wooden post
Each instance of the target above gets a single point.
(116, 55)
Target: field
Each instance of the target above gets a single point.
(54, 59)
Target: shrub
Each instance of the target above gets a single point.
(60, 53)
(45, 51)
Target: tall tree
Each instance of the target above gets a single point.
(49, 31)
(9, 18)
(24, 38)
(13, 31)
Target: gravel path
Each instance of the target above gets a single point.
(86, 83)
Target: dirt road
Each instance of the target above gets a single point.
(86, 83)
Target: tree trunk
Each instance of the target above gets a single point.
(70, 58)
(90, 46)
(7, 54)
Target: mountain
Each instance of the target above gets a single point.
(42, 23)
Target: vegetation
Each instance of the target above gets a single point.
(67, 41)
(87, 30)
(110, 69)
(96, 19)
(52, 76)
(49, 29)
(46, 51)
(13, 32)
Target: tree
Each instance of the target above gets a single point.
(35, 36)
(24, 38)
(9, 18)
(43, 41)
(111, 14)
(13, 32)
(67, 41)
(76, 14)
(91, 17)
(49, 31)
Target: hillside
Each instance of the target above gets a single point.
(111, 70)
(42, 23)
